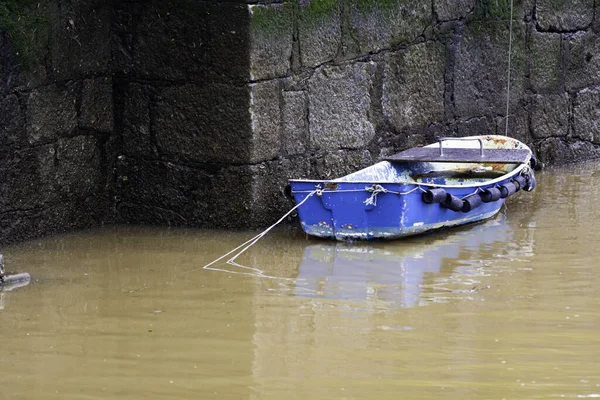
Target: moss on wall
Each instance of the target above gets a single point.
(497, 9)
(271, 19)
(26, 23)
(319, 8)
(492, 17)
(370, 5)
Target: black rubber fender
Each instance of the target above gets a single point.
(453, 203)
(435, 195)
(471, 203)
(508, 189)
(521, 182)
(490, 194)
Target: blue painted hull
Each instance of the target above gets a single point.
(356, 208)
(345, 216)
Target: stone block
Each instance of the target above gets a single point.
(124, 26)
(546, 61)
(550, 115)
(480, 69)
(555, 151)
(390, 145)
(319, 31)
(492, 11)
(413, 85)
(51, 112)
(334, 164)
(78, 163)
(58, 217)
(586, 115)
(339, 105)
(473, 126)
(271, 34)
(226, 199)
(80, 42)
(518, 125)
(136, 106)
(448, 10)
(24, 44)
(188, 40)
(96, 109)
(583, 60)
(203, 123)
(67, 216)
(564, 16)
(268, 182)
(28, 178)
(265, 115)
(295, 122)
(158, 192)
(382, 25)
(12, 121)
(164, 187)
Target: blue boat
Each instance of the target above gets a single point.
(453, 182)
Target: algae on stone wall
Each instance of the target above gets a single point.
(26, 24)
(492, 17)
(384, 24)
(497, 9)
(270, 30)
(319, 30)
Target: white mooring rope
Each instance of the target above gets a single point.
(509, 59)
(249, 243)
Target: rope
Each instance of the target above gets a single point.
(376, 189)
(249, 243)
(366, 189)
(509, 59)
(474, 193)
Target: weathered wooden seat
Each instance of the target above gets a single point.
(461, 155)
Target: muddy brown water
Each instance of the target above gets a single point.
(507, 309)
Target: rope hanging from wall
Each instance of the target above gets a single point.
(509, 59)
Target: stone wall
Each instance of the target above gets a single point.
(361, 79)
(195, 113)
(183, 120)
(56, 117)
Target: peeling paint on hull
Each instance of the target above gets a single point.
(389, 233)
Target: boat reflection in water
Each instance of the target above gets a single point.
(413, 271)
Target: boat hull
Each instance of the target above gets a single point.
(347, 214)
(385, 201)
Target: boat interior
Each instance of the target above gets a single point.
(433, 173)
